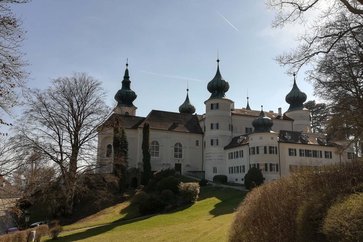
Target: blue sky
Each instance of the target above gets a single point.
(168, 43)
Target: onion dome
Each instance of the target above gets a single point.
(295, 98)
(187, 107)
(262, 123)
(248, 104)
(125, 96)
(218, 86)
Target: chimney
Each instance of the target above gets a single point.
(280, 111)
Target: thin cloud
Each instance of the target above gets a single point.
(172, 76)
(227, 21)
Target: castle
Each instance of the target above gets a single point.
(223, 141)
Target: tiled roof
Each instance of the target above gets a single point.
(237, 141)
(169, 121)
(303, 138)
(254, 113)
(125, 121)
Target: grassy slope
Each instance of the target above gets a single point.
(207, 220)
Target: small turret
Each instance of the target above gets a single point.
(248, 104)
(262, 123)
(187, 107)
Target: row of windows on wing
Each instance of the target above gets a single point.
(311, 153)
(263, 150)
(215, 126)
(266, 167)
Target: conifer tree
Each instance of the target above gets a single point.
(146, 175)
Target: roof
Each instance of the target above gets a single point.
(303, 138)
(237, 141)
(169, 121)
(125, 121)
(255, 113)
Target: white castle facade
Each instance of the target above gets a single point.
(223, 141)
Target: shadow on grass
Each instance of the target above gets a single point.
(229, 199)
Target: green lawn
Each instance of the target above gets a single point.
(209, 219)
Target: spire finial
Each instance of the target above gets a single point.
(294, 74)
(127, 62)
(261, 108)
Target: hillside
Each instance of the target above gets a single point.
(209, 219)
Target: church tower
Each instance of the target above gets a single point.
(296, 111)
(125, 96)
(217, 126)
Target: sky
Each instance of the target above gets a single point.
(170, 45)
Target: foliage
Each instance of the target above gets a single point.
(294, 208)
(189, 192)
(220, 179)
(146, 174)
(157, 177)
(319, 114)
(168, 183)
(344, 220)
(253, 178)
(24, 235)
(120, 148)
(60, 123)
(54, 229)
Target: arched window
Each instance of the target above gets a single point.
(109, 150)
(178, 150)
(154, 149)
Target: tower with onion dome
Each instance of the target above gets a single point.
(187, 107)
(125, 97)
(217, 125)
(296, 111)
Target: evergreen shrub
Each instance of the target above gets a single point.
(189, 192)
(253, 178)
(220, 179)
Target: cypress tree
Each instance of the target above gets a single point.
(146, 175)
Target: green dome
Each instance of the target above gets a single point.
(125, 96)
(187, 107)
(262, 123)
(295, 98)
(218, 86)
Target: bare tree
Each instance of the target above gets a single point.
(60, 124)
(334, 21)
(318, 114)
(12, 74)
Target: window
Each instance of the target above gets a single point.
(308, 153)
(214, 126)
(292, 152)
(235, 155)
(350, 155)
(265, 149)
(301, 153)
(214, 170)
(240, 153)
(266, 167)
(154, 149)
(109, 150)
(214, 142)
(178, 150)
(328, 154)
(230, 155)
(274, 167)
(272, 150)
(243, 169)
(214, 106)
(197, 143)
(257, 150)
(252, 150)
(248, 130)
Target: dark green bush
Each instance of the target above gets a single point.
(168, 183)
(139, 197)
(220, 179)
(253, 178)
(152, 204)
(168, 196)
(157, 176)
(344, 220)
(189, 192)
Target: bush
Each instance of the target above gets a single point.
(24, 235)
(151, 205)
(157, 176)
(203, 182)
(220, 179)
(168, 183)
(139, 197)
(253, 178)
(286, 209)
(168, 196)
(189, 192)
(344, 220)
(54, 229)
